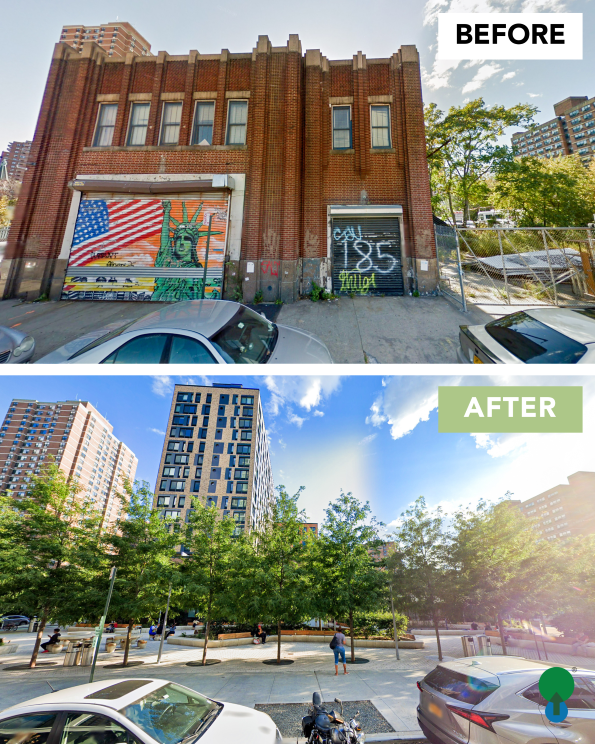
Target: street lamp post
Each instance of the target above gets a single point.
(164, 627)
(392, 606)
(99, 631)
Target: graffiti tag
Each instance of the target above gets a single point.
(356, 282)
(270, 267)
(372, 257)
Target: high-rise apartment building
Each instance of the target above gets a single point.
(572, 131)
(16, 158)
(216, 449)
(566, 510)
(117, 38)
(77, 437)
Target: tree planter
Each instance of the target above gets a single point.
(110, 647)
(141, 643)
(55, 648)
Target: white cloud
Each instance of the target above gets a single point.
(318, 413)
(508, 76)
(306, 392)
(162, 386)
(368, 439)
(282, 443)
(535, 95)
(484, 73)
(293, 418)
(440, 74)
(157, 431)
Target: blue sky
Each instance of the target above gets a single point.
(338, 29)
(375, 436)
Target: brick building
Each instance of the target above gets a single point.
(117, 39)
(274, 168)
(216, 449)
(16, 158)
(78, 438)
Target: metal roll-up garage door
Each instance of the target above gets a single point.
(367, 255)
(148, 248)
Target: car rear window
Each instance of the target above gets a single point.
(103, 339)
(588, 312)
(533, 342)
(247, 338)
(113, 692)
(461, 687)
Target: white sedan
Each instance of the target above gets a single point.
(133, 711)
(195, 332)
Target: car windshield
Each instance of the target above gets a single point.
(172, 713)
(459, 686)
(247, 338)
(533, 342)
(102, 340)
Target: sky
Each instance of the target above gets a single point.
(339, 29)
(374, 436)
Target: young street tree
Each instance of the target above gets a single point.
(463, 147)
(345, 576)
(143, 551)
(51, 553)
(206, 573)
(420, 567)
(274, 584)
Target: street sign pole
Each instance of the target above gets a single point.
(99, 630)
(164, 627)
(392, 605)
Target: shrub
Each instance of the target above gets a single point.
(379, 623)
(573, 623)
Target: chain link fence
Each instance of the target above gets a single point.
(524, 266)
(449, 263)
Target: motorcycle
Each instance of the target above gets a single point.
(327, 727)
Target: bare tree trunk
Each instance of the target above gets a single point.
(437, 638)
(278, 641)
(127, 644)
(207, 628)
(501, 631)
(452, 211)
(352, 633)
(40, 629)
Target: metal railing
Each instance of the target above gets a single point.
(449, 264)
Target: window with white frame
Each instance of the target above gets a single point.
(170, 124)
(139, 121)
(202, 128)
(106, 121)
(380, 120)
(341, 127)
(237, 120)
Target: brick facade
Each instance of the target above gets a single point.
(292, 173)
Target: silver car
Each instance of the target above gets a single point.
(15, 347)
(133, 711)
(541, 335)
(496, 700)
(195, 332)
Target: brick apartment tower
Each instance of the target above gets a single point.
(566, 510)
(216, 449)
(79, 439)
(116, 39)
(318, 174)
(16, 158)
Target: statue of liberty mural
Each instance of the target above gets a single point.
(178, 250)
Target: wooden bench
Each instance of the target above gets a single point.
(226, 636)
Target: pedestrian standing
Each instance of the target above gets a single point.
(338, 646)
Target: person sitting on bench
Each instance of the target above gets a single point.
(55, 638)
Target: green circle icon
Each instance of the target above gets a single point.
(556, 681)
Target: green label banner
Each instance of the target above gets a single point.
(517, 408)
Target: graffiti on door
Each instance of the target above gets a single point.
(366, 259)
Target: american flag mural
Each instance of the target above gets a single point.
(148, 249)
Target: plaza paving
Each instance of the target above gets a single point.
(243, 678)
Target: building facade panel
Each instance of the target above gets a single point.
(304, 133)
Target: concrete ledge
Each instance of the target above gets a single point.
(326, 639)
(551, 648)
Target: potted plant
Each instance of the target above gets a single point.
(141, 643)
(110, 646)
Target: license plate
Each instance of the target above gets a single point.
(476, 359)
(435, 710)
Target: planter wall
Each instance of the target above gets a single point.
(8, 648)
(359, 643)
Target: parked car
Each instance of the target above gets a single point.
(12, 620)
(542, 335)
(134, 711)
(15, 347)
(195, 332)
(496, 700)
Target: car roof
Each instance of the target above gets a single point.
(79, 694)
(202, 316)
(568, 321)
(503, 665)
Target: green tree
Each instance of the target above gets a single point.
(463, 147)
(346, 578)
(558, 192)
(207, 572)
(274, 586)
(503, 564)
(420, 565)
(52, 553)
(576, 608)
(143, 547)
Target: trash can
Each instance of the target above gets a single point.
(36, 626)
(468, 646)
(87, 654)
(72, 656)
(484, 645)
(32, 624)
